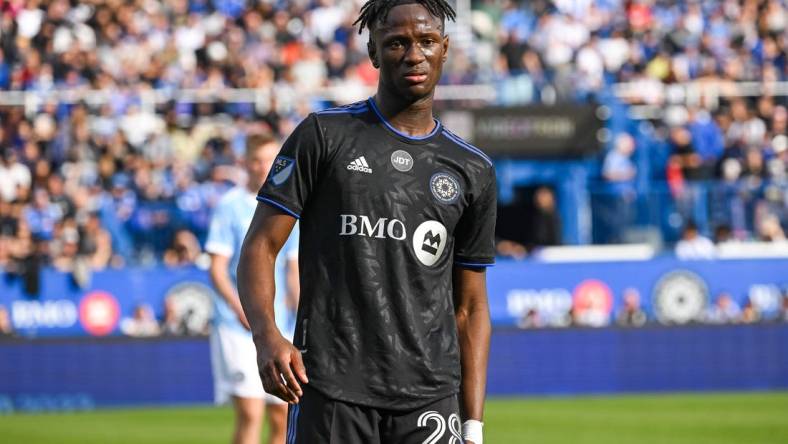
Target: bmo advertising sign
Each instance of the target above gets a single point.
(34, 315)
(64, 309)
(98, 313)
(592, 303)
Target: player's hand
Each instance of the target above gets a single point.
(281, 367)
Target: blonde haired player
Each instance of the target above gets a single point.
(233, 355)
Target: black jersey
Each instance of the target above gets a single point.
(384, 219)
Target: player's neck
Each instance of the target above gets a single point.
(411, 118)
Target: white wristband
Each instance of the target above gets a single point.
(472, 431)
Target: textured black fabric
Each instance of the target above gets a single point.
(384, 219)
(318, 419)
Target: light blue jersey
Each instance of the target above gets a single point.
(229, 223)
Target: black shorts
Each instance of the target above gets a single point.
(317, 419)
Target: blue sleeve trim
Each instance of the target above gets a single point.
(278, 205)
(474, 265)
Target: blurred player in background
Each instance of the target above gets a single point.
(233, 356)
(397, 225)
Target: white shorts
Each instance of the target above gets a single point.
(234, 365)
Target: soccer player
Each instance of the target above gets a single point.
(233, 356)
(397, 217)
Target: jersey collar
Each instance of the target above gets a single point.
(400, 135)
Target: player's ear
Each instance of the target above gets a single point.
(373, 53)
(445, 45)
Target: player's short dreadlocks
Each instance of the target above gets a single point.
(375, 11)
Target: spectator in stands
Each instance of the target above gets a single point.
(685, 155)
(546, 221)
(9, 226)
(65, 246)
(750, 313)
(693, 245)
(707, 139)
(723, 234)
(769, 229)
(184, 250)
(95, 244)
(141, 324)
(42, 215)
(727, 202)
(528, 51)
(6, 328)
(13, 175)
(784, 306)
(511, 249)
(630, 314)
(171, 323)
(530, 319)
(619, 171)
(724, 311)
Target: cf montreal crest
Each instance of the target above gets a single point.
(281, 170)
(445, 187)
(429, 240)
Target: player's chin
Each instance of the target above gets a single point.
(417, 91)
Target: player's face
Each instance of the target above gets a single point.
(258, 163)
(410, 49)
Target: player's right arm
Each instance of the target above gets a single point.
(283, 197)
(220, 277)
(220, 244)
(279, 362)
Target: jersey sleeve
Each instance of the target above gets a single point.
(474, 236)
(295, 170)
(220, 232)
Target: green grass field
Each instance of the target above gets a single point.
(750, 418)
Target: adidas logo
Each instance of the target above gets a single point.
(361, 165)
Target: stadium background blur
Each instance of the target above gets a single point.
(123, 122)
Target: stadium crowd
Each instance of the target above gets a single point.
(117, 179)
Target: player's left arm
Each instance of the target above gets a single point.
(473, 325)
(474, 250)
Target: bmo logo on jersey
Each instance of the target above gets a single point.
(429, 238)
(362, 226)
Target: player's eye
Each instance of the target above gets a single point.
(395, 44)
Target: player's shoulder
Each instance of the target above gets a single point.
(343, 117)
(349, 110)
(466, 151)
(232, 199)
